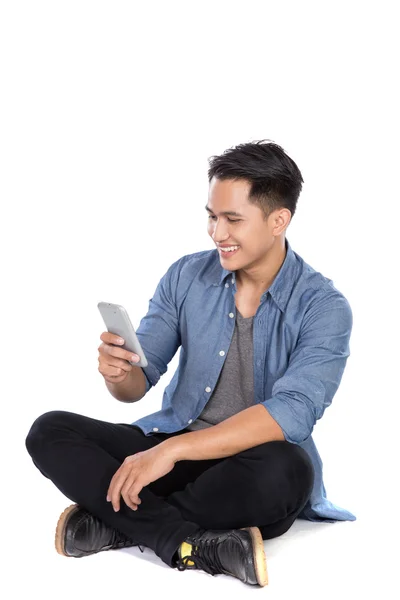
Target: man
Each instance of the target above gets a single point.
(229, 459)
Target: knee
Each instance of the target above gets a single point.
(299, 469)
(284, 465)
(41, 428)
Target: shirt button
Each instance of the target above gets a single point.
(233, 281)
(190, 420)
(155, 428)
(222, 353)
(231, 315)
(227, 285)
(208, 389)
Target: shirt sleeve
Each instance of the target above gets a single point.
(158, 331)
(300, 397)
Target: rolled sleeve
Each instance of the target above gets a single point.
(299, 398)
(158, 331)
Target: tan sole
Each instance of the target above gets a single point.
(260, 560)
(60, 530)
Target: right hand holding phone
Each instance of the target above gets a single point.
(113, 361)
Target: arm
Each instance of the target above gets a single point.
(222, 440)
(159, 331)
(159, 336)
(298, 398)
(250, 427)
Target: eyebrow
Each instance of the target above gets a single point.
(226, 212)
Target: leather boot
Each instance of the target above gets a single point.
(79, 534)
(237, 552)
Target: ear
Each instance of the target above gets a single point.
(282, 218)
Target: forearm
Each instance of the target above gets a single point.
(250, 427)
(130, 390)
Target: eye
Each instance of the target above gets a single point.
(230, 220)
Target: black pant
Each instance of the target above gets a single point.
(265, 486)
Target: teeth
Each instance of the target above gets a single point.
(231, 249)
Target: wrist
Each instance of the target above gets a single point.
(173, 448)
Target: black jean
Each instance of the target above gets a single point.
(265, 486)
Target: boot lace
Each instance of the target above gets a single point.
(121, 541)
(205, 557)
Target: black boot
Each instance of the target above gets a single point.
(237, 552)
(79, 534)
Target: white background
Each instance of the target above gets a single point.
(109, 112)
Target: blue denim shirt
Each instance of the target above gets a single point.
(301, 333)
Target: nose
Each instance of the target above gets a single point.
(219, 232)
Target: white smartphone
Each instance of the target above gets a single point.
(117, 321)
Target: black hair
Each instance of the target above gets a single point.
(275, 178)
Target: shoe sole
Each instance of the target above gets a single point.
(60, 530)
(260, 560)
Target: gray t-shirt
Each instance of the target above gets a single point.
(235, 386)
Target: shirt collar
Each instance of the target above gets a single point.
(282, 285)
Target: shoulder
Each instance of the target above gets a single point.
(319, 294)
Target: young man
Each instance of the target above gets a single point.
(229, 460)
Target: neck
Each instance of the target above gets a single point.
(259, 276)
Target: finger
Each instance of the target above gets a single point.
(117, 371)
(134, 492)
(131, 505)
(119, 355)
(112, 379)
(115, 491)
(128, 501)
(111, 486)
(109, 364)
(125, 492)
(112, 338)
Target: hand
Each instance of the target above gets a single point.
(113, 361)
(137, 471)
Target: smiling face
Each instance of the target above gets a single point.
(246, 228)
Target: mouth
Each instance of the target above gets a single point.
(227, 254)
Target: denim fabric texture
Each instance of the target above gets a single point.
(301, 336)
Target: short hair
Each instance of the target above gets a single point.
(275, 178)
